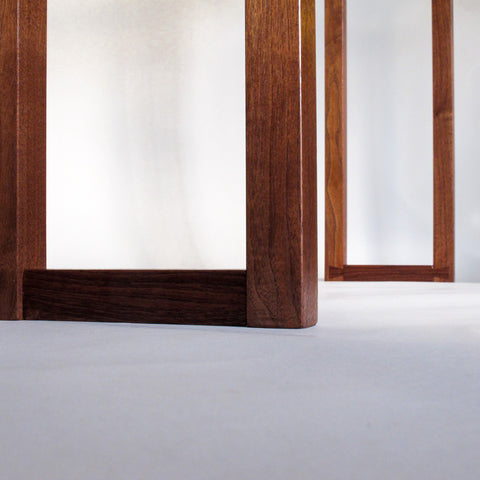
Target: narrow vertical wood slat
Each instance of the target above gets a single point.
(308, 159)
(22, 147)
(281, 164)
(335, 137)
(443, 132)
(32, 144)
(8, 160)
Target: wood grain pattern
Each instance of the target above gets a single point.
(22, 147)
(389, 273)
(443, 135)
(142, 296)
(8, 159)
(335, 151)
(335, 136)
(281, 190)
(281, 163)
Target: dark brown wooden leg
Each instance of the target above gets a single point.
(22, 147)
(282, 265)
(443, 136)
(335, 137)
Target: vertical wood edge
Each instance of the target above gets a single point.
(309, 258)
(9, 299)
(443, 127)
(33, 132)
(335, 136)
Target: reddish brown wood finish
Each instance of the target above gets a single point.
(335, 150)
(335, 137)
(22, 147)
(281, 183)
(443, 136)
(389, 273)
(142, 296)
(282, 266)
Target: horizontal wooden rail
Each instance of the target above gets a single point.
(207, 297)
(389, 273)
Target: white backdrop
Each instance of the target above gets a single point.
(146, 149)
(146, 133)
(389, 132)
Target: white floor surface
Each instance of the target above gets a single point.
(386, 387)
